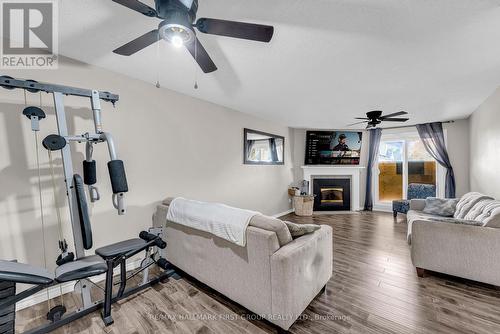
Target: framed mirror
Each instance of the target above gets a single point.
(261, 148)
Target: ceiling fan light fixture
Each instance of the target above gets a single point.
(177, 41)
(176, 34)
(177, 28)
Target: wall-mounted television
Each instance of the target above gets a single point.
(333, 147)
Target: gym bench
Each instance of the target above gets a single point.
(107, 259)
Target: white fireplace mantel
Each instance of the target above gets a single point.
(352, 172)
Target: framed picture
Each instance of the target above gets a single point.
(261, 148)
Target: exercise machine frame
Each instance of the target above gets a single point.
(105, 304)
(58, 92)
(83, 285)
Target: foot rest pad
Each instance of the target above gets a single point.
(120, 248)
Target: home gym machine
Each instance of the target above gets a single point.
(77, 266)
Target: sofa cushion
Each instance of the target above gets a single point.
(467, 202)
(297, 230)
(440, 206)
(452, 220)
(273, 225)
(417, 215)
(412, 216)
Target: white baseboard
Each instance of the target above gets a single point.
(282, 213)
(318, 213)
(55, 291)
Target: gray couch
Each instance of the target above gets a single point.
(465, 245)
(273, 276)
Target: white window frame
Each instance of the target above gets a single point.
(403, 135)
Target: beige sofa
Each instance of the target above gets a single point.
(272, 276)
(465, 245)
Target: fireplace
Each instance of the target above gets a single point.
(332, 194)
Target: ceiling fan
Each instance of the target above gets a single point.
(177, 27)
(374, 118)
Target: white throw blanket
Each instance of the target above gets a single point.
(218, 219)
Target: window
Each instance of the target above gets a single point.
(421, 165)
(402, 160)
(390, 166)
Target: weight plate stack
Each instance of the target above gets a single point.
(8, 314)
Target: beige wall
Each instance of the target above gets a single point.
(457, 137)
(485, 147)
(172, 145)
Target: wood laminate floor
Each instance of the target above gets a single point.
(374, 289)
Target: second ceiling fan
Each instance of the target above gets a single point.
(374, 118)
(177, 27)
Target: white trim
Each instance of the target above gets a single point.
(383, 207)
(282, 213)
(55, 291)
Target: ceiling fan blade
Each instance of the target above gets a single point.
(138, 7)
(201, 56)
(357, 123)
(395, 119)
(138, 44)
(362, 118)
(399, 113)
(251, 31)
(187, 3)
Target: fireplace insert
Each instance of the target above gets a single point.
(332, 194)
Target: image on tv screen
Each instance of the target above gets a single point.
(333, 147)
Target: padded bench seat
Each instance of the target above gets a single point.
(24, 273)
(120, 248)
(82, 268)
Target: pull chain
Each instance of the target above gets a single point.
(158, 63)
(196, 61)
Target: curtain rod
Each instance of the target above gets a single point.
(410, 126)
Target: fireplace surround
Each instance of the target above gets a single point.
(311, 172)
(332, 194)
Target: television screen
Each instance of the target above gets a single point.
(333, 147)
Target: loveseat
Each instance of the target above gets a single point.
(464, 245)
(272, 275)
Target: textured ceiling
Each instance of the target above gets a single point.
(329, 60)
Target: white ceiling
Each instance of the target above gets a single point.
(329, 60)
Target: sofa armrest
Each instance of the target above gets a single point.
(417, 204)
(299, 270)
(457, 249)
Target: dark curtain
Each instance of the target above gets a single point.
(274, 151)
(375, 135)
(432, 136)
(250, 144)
